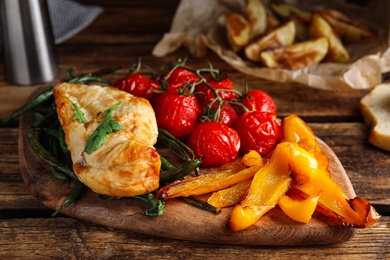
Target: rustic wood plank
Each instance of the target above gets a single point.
(12, 98)
(15, 196)
(67, 238)
(142, 25)
(9, 157)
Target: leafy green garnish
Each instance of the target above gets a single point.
(79, 114)
(156, 206)
(96, 139)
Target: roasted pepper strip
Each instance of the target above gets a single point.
(230, 196)
(334, 203)
(212, 182)
(299, 210)
(271, 182)
(206, 183)
(303, 166)
(234, 194)
(252, 158)
(296, 130)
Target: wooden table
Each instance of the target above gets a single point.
(126, 31)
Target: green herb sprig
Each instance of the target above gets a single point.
(96, 139)
(79, 113)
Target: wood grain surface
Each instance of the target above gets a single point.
(69, 238)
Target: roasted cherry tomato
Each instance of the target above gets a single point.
(216, 143)
(176, 113)
(179, 78)
(205, 94)
(139, 85)
(257, 100)
(214, 112)
(258, 131)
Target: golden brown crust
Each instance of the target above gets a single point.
(127, 163)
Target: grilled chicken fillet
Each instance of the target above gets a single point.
(126, 164)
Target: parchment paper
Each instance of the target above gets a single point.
(199, 26)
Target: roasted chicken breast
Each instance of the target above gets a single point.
(126, 164)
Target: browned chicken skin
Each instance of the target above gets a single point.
(126, 164)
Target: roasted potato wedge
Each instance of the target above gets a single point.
(300, 17)
(319, 27)
(349, 30)
(238, 31)
(256, 14)
(281, 36)
(287, 11)
(272, 21)
(296, 56)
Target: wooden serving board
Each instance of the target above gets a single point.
(179, 220)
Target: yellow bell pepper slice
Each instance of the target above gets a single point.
(296, 130)
(303, 166)
(206, 183)
(299, 210)
(252, 158)
(234, 194)
(230, 196)
(335, 204)
(272, 181)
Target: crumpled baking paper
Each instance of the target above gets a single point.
(199, 26)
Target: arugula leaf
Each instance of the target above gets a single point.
(79, 114)
(96, 139)
(156, 206)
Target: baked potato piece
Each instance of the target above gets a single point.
(281, 36)
(348, 30)
(296, 56)
(287, 11)
(272, 21)
(256, 14)
(238, 31)
(319, 27)
(301, 18)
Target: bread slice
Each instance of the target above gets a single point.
(375, 108)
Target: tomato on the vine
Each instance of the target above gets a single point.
(176, 113)
(224, 113)
(216, 143)
(258, 131)
(257, 100)
(179, 78)
(224, 88)
(138, 85)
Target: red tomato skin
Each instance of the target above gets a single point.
(216, 143)
(138, 85)
(205, 95)
(179, 78)
(175, 113)
(258, 131)
(227, 115)
(257, 100)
